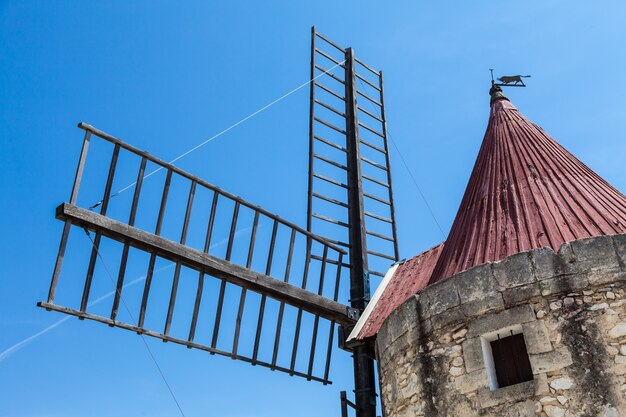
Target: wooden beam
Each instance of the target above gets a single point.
(201, 261)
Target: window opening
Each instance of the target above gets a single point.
(510, 360)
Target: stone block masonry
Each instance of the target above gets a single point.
(571, 308)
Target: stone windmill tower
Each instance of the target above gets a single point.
(520, 312)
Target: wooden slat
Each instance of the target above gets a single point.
(316, 320)
(296, 340)
(207, 246)
(329, 125)
(367, 82)
(371, 129)
(371, 145)
(96, 243)
(157, 231)
(374, 164)
(218, 313)
(131, 221)
(378, 235)
(367, 67)
(242, 302)
(59, 261)
(164, 197)
(331, 181)
(381, 255)
(329, 143)
(196, 307)
(329, 91)
(242, 297)
(66, 228)
(377, 217)
(330, 261)
(380, 200)
(330, 200)
(375, 181)
(328, 41)
(233, 229)
(330, 161)
(368, 98)
(331, 75)
(329, 220)
(328, 57)
(340, 243)
(370, 114)
(183, 239)
(268, 270)
(329, 107)
(281, 309)
(296, 337)
(146, 290)
(331, 332)
(80, 168)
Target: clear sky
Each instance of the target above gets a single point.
(165, 76)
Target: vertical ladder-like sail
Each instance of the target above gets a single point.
(331, 112)
(350, 199)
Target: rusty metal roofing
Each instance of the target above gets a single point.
(525, 192)
(410, 277)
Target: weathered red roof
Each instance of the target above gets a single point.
(525, 192)
(411, 276)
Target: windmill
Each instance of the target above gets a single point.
(350, 236)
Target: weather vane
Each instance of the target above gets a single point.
(509, 80)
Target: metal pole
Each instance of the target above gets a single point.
(365, 395)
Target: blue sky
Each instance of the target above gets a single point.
(165, 76)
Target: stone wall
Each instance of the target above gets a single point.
(570, 307)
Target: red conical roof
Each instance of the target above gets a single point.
(525, 192)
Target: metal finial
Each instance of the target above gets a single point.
(496, 92)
